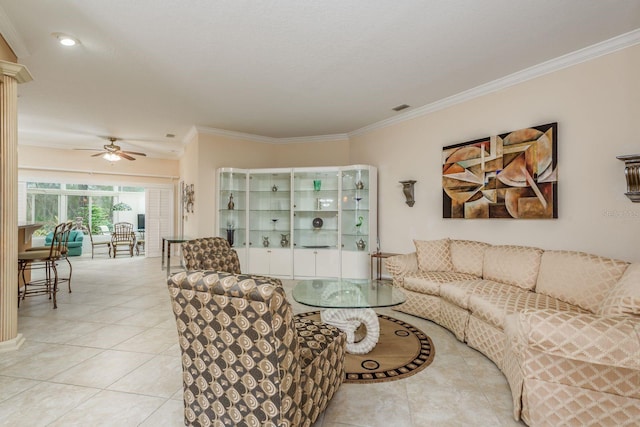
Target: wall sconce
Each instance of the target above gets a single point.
(407, 189)
(632, 174)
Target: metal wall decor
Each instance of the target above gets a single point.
(407, 189)
(188, 198)
(632, 175)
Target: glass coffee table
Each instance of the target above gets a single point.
(348, 305)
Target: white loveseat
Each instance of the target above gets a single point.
(564, 327)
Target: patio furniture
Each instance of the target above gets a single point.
(123, 235)
(98, 244)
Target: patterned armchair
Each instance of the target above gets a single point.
(246, 359)
(210, 253)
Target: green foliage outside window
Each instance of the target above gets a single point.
(99, 216)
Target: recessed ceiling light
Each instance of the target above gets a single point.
(65, 39)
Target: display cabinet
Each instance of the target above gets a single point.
(270, 222)
(316, 222)
(301, 222)
(358, 219)
(232, 212)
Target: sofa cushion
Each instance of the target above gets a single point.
(428, 282)
(467, 256)
(76, 236)
(624, 296)
(513, 265)
(494, 308)
(458, 293)
(578, 278)
(434, 255)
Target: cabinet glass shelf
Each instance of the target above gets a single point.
(281, 205)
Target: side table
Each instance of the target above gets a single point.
(379, 256)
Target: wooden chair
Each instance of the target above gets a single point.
(246, 359)
(140, 242)
(123, 235)
(94, 244)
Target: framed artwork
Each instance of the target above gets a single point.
(513, 175)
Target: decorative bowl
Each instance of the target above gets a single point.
(317, 222)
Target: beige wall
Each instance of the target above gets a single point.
(597, 107)
(71, 166)
(208, 152)
(6, 54)
(308, 154)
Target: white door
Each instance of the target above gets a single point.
(328, 263)
(159, 219)
(281, 262)
(259, 261)
(304, 262)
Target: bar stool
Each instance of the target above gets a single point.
(64, 253)
(38, 260)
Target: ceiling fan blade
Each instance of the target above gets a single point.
(99, 154)
(124, 156)
(87, 149)
(135, 153)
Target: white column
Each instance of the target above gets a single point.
(10, 75)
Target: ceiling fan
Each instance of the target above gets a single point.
(112, 152)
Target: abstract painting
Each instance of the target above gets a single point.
(513, 175)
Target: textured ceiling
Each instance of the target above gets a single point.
(281, 69)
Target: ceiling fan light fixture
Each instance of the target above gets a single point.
(112, 157)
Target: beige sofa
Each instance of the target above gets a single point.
(564, 327)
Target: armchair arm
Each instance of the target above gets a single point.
(584, 338)
(400, 265)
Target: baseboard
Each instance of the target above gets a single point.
(12, 344)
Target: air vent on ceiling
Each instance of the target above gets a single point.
(401, 107)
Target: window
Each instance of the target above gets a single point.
(52, 203)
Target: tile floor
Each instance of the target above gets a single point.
(109, 356)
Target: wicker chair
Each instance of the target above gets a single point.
(123, 235)
(246, 359)
(210, 253)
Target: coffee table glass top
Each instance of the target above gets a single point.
(347, 293)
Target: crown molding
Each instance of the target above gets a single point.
(268, 139)
(190, 136)
(17, 71)
(577, 57)
(12, 36)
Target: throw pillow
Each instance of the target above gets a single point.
(624, 297)
(434, 255)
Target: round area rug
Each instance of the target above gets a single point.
(402, 350)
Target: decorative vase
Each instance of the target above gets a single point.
(230, 233)
(231, 205)
(274, 188)
(359, 185)
(361, 244)
(284, 240)
(265, 241)
(317, 184)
